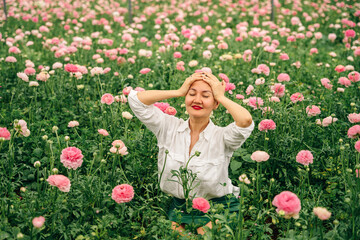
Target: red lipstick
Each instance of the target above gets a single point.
(196, 107)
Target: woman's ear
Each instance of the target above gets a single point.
(216, 105)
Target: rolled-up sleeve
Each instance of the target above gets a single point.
(152, 117)
(235, 136)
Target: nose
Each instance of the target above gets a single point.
(197, 98)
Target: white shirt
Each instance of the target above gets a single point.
(216, 146)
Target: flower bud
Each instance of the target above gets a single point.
(352, 104)
(45, 137)
(55, 171)
(272, 180)
(267, 139)
(67, 138)
(349, 170)
(22, 189)
(281, 213)
(37, 164)
(357, 166)
(274, 221)
(341, 140)
(298, 224)
(336, 222)
(55, 128)
(103, 161)
(20, 235)
(197, 153)
(342, 148)
(166, 151)
(347, 200)
(2, 139)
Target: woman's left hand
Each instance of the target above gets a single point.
(217, 87)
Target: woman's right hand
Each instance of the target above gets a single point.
(187, 83)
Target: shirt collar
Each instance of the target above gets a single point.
(206, 132)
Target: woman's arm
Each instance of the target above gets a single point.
(241, 116)
(151, 96)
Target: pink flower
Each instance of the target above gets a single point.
(4, 133)
(264, 69)
(328, 120)
(43, 76)
(322, 213)
(326, 83)
(350, 33)
(122, 193)
(340, 68)
(73, 124)
(162, 105)
(206, 69)
(284, 56)
(304, 157)
(289, 203)
(354, 118)
(201, 204)
(170, 110)
(278, 89)
(357, 146)
(10, 59)
(139, 89)
(177, 55)
(255, 102)
(354, 76)
(274, 99)
(313, 50)
(353, 131)
(59, 181)
(260, 156)
(239, 96)
(224, 77)
(229, 87)
(30, 71)
(38, 222)
(283, 77)
(344, 81)
(23, 76)
(296, 97)
(249, 89)
(71, 68)
(127, 90)
(118, 147)
(313, 110)
(267, 124)
(71, 157)
(103, 132)
(145, 70)
(107, 98)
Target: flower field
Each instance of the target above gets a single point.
(77, 164)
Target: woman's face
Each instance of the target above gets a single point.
(199, 100)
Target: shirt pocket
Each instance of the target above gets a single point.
(210, 175)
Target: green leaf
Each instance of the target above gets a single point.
(234, 165)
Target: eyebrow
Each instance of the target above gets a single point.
(202, 91)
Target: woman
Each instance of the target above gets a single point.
(203, 93)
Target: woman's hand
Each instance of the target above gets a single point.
(218, 88)
(187, 83)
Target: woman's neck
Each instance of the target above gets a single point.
(197, 125)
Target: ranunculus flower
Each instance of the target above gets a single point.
(201, 204)
(71, 68)
(289, 203)
(127, 90)
(162, 105)
(4, 133)
(304, 157)
(107, 98)
(267, 124)
(283, 77)
(103, 132)
(357, 146)
(322, 213)
(313, 110)
(73, 124)
(354, 118)
(122, 193)
(354, 76)
(118, 147)
(127, 115)
(145, 70)
(170, 110)
(296, 97)
(353, 131)
(260, 156)
(71, 157)
(59, 181)
(38, 222)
